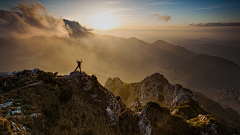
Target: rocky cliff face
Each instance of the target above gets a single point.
(229, 97)
(152, 88)
(117, 83)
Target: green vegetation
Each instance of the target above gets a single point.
(197, 126)
(189, 109)
(65, 126)
(65, 95)
(226, 115)
(94, 77)
(118, 97)
(163, 123)
(88, 132)
(47, 77)
(83, 116)
(95, 81)
(51, 114)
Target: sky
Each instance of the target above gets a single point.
(146, 14)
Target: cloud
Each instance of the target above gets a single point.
(75, 26)
(112, 2)
(160, 17)
(34, 20)
(216, 24)
(162, 3)
(212, 7)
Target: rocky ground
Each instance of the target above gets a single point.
(38, 102)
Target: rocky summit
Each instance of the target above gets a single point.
(153, 88)
(39, 102)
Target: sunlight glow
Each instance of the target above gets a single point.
(104, 22)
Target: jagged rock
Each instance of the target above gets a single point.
(175, 111)
(144, 123)
(135, 106)
(116, 81)
(122, 105)
(211, 125)
(155, 88)
(76, 102)
(152, 86)
(176, 94)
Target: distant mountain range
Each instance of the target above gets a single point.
(107, 56)
(197, 71)
(229, 50)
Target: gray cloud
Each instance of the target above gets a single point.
(212, 7)
(160, 17)
(75, 26)
(216, 24)
(33, 20)
(162, 3)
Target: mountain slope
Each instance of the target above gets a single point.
(180, 51)
(227, 52)
(38, 102)
(211, 72)
(44, 103)
(180, 100)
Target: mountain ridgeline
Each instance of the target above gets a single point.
(156, 88)
(38, 102)
(108, 56)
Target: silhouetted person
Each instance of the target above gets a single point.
(79, 65)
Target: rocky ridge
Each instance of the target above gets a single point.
(153, 88)
(38, 102)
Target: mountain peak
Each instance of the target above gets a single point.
(160, 41)
(133, 38)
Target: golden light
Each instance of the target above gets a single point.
(104, 22)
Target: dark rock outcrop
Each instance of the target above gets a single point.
(229, 97)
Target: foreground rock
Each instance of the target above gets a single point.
(45, 103)
(38, 102)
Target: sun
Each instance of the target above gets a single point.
(104, 22)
